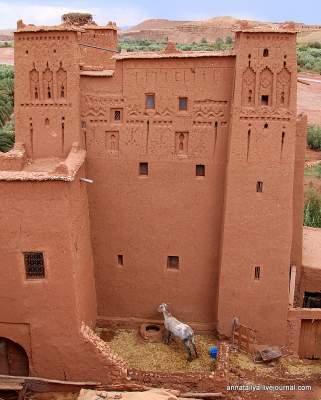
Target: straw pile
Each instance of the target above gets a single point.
(160, 357)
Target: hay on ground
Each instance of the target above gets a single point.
(160, 357)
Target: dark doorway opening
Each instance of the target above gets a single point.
(13, 358)
(312, 300)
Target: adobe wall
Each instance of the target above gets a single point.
(170, 212)
(103, 37)
(240, 124)
(295, 316)
(310, 281)
(47, 92)
(298, 203)
(51, 217)
(258, 226)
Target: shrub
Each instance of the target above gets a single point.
(312, 209)
(309, 56)
(6, 101)
(7, 136)
(6, 44)
(316, 45)
(6, 71)
(314, 137)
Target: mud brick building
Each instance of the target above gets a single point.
(197, 166)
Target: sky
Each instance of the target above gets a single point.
(130, 12)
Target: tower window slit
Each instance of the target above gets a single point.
(257, 273)
(259, 187)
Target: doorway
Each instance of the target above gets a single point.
(310, 339)
(13, 358)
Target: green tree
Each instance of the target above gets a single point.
(312, 209)
(219, 43)
(7, 136)
(314, 137)
(6, 101)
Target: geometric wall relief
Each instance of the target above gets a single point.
(266, 87)
(47, 80)
(61, 82)
(181, 143)
(248, 89)
(206, 111)
(283, 83)
(34, 84)
(133, 141)
(99, 106)
(266, 114)
(112, 141)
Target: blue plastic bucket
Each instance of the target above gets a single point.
(213, 352)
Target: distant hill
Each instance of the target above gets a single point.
(309, 36)
(190, 31)
(181, 31)
(6, 34)
(195, 31)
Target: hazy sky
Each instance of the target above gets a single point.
(126, 12)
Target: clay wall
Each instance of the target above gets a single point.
(218, 194)
(310, 282)
(103, 38)
(170, 212)
(44, 315)
(47, 92)
(295, 317)
(298, 204)
(258, 217)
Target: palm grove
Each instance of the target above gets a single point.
(6, 107)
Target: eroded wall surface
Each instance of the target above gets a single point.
(171, 211)
(196, 157)
(258, 215)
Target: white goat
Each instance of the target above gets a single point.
(179, 329)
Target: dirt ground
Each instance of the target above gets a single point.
(6, 55)
(309, 97)
(312, 178)
(289, 370)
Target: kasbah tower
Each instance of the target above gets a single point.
(197, 166)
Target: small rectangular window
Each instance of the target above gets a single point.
(117, 115)
(173, 262)
(200, 170)
(257, 273)
(182, 103)
(120, 259)
(265, 100)
(150, 101)
(143, 168)
(34, 265)
(259, 187)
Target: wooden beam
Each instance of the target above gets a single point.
(10, 386)
(45, 380)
